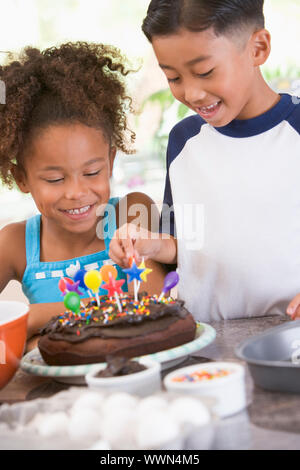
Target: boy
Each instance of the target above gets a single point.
(236, 161)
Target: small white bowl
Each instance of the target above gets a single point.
(228, 391)
(143, 383)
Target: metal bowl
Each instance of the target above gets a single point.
(273, 357)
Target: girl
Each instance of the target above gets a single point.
(63, 121)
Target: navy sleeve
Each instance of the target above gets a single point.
(294, 118)
(167, 219)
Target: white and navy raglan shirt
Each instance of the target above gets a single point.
(235, 193)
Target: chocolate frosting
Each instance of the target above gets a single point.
(136, 319)
(119, 366)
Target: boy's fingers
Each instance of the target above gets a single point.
(131, 239)
(293, 305)
(296, 315)
(116, 252)
(127, 245)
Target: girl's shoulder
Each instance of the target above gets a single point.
(13, 246)
(137, 206)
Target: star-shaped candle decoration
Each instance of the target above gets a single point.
(146, 271)
(134, 272)
(144, 274)
(134, 275)
(114, 289)
(74, 287)
(113, 286)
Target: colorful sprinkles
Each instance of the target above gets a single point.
(108, 311)
(202, 376)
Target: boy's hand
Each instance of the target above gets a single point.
(293, 309)
(133, 241)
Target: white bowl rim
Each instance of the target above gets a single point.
(24, 309)
(153, 367)
(220, 381)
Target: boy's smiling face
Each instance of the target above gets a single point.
(67, 171)
(216, 76)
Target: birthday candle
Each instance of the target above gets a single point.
(134, 275)
(92, 280)
(114, 289)
(144, 274)
(171, 280)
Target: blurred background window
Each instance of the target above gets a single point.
(45, 23)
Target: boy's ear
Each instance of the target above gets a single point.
(20, 178)
(261, 47)
(112, 156)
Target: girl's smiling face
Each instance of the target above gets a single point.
(67, 171)
(213, 75)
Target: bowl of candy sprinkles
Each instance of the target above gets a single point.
(223, 381)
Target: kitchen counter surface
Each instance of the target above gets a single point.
(272, 419)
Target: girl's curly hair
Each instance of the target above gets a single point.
(75, 82)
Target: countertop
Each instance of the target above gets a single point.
(271, 420)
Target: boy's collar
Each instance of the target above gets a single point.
(250, 127)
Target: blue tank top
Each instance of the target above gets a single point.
(40, 280)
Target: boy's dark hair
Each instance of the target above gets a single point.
(165, 17)
(75, 82)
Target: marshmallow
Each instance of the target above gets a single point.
(50, 425)
(155, 429)
(83, 424)
(187, 410)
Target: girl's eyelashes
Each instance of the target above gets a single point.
(58, 180)
(54, 181)
(95, 173)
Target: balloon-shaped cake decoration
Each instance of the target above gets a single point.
(79, 276)
(171, 280)
(62, 284)
(108, 270)
(92, 280)
(72, 302)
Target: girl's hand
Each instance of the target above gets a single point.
(133, 241)
(293, 309)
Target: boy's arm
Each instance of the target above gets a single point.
(138, 211)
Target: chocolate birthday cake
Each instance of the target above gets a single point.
(143, 327)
